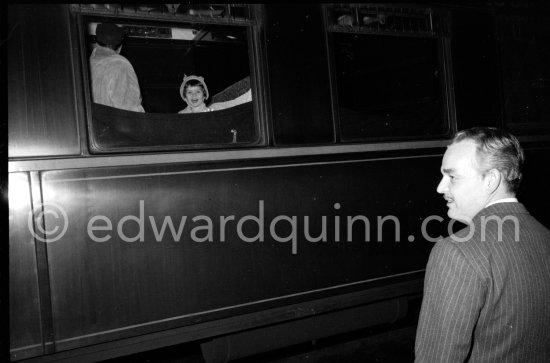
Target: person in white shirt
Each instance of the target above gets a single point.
(114, 81)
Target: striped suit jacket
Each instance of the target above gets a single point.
(487, 296)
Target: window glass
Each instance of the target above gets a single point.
(388, 73)
(525, 49)
(154, 59)
(475, 76)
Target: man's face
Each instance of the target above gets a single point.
(462, 185)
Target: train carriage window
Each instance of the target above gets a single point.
(525, 52)
(388, 70)
(163, 44)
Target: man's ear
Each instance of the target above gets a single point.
(493, 178)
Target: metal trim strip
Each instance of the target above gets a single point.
(80, 162)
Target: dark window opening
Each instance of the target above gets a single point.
(161, 65)
(389, 77)
(388, 86)
(525, 53)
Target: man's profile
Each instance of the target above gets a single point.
(487, 288)
(114, 81)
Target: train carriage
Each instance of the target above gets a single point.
(308, 211)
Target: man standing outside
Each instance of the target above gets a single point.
(114, 81)
(487, 287)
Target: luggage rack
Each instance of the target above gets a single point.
(216, 13)
(381, 19)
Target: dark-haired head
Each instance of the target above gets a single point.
(109, 35)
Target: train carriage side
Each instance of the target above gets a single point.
(307, 212)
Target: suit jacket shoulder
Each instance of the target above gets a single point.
(493, 275)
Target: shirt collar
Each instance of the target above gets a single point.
(503, 200)
(103, 51)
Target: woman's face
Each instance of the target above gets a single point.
(194, 96)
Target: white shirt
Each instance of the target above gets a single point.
(503, 200)
(114, 81)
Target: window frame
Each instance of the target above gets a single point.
(442, 35)
(81, 16)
